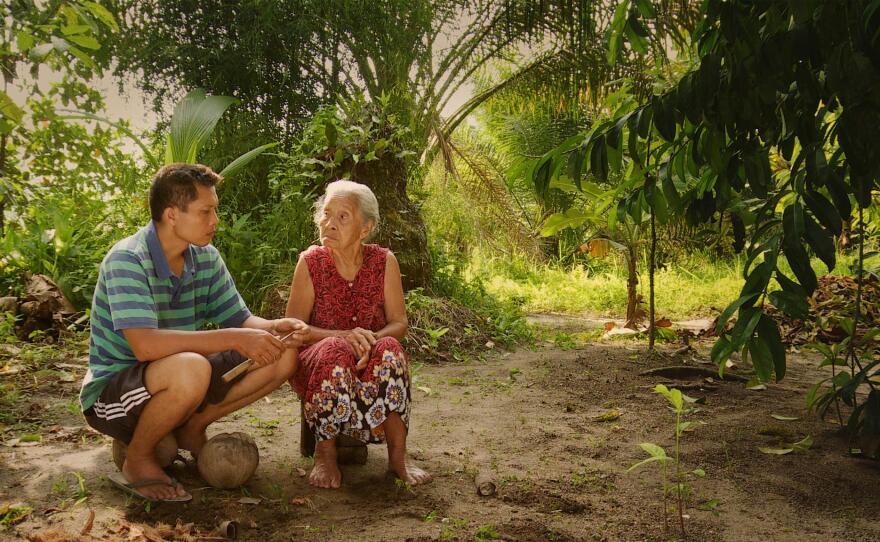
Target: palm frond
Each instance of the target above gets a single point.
(239, 163)
(506, 221)
(193, 121)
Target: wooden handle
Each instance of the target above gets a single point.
(242, 367)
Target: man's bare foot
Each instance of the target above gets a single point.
(137, 469)
(400, 466)
(326, 471)
(190, 438)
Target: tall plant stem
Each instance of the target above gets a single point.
(851, 353)
(678, 494)
(851, 348)
(3, 197)
(652, 330)
(665, 496)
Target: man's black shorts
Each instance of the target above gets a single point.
(117, 410)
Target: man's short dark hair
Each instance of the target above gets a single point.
(175, 186)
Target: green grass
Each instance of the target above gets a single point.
(685, 289)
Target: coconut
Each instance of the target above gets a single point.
(166, 451)
(228, 460)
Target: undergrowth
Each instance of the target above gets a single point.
(695, 286)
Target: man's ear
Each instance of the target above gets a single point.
(169, 215)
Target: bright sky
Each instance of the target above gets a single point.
(133, 106)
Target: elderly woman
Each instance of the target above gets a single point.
(353, 376)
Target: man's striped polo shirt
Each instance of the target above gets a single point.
(136, 289)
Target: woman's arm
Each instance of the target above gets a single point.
(396, 323)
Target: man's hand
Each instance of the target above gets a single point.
(283, 327)
(259, 345)
(361, 342)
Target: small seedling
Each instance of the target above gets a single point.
(679, 488)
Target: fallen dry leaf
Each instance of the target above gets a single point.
(609, 416)
(87, 528)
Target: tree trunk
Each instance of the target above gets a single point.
(632, 296)
(652, 331)
(4, 198)
(401, 227)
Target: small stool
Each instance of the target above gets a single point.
(350, 451)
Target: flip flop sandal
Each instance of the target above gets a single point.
(119, 481)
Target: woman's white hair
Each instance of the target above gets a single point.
(361, 193)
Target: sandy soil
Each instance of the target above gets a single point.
(526, 418)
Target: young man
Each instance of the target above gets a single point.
(151, 372)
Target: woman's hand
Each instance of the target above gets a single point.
(283, 327)
(361, 342)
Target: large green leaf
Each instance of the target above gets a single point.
(746, 323)
(85, 41)
(791, 304)
(239, 163)
(195, 118)
(664, 117)
(576, 165)
(824, 211)
(103, 14)
(83, 57)
(839, 193)
(541, 177)
(556, 222)
(799, 262)
(762, 361)
(789, 285)
(9, 110)
(721, 350)
(821, 241)
(768, 333)
(758, 278)
(733, 307)
(616, 31)
(793, 224)
(599, 159)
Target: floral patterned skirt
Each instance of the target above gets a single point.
(337, 398)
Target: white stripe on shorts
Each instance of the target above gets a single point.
(130, 399)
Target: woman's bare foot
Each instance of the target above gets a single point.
(395, 437)
(136, 469)
(190, 438)
(326, 471)
(403, 469)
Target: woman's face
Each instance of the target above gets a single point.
(341, 224)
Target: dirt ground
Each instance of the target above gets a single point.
(529, 418)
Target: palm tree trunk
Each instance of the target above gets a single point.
(401, 226)
(632, 282)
